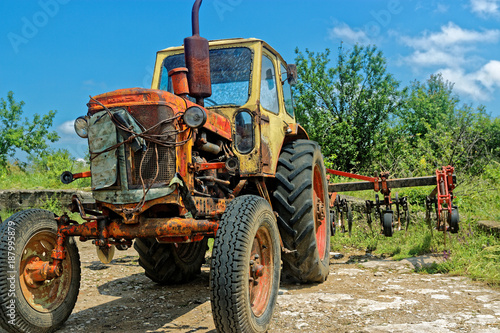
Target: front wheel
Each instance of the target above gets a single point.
(28, 306)
(245, 268)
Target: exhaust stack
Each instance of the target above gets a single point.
(197, 60)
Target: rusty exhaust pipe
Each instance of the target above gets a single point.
(197, 60)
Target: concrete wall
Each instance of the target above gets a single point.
(15, 200)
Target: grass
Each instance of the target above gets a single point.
(52, 205)
(16, 178)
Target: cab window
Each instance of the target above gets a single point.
(268, 91)
(230, 70)
(287, 92)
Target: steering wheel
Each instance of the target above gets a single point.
(214, 103)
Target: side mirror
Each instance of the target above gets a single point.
(269, 74)
(291, 71)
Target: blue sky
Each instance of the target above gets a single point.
(55, 53)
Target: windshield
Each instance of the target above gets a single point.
(229, 71)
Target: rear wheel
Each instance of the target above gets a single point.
(171, 263)
(301, 200)
(27, 305)
(245, 268)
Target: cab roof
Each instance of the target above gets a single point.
(229, 41)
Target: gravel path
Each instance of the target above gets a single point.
(362, 294)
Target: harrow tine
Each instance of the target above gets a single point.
(404, 204)
(341, 219)
(369, 208)
(349, 219)
(397, 211)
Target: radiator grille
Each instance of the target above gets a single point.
(166, 165)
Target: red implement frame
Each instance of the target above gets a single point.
(444, 189)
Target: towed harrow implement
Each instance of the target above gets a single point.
(439, 200)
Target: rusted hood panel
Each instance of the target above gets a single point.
(216, 123)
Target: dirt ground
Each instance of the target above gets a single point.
(362, 294)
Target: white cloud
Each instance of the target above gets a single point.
(349, 35)
(441, 8)
(67, 133)
(448, 47)
(489, 74)
(479, 84)
(432, 57)
(451, 35)
(67, 127)
(485, 7)
(93, 85)
(465, 83)
(452, 49)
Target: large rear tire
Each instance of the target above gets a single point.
(245, 269)
(301, 200)
(171, 263)
(37, 307)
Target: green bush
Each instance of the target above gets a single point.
(43, 171)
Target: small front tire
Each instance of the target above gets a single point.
(245, 268)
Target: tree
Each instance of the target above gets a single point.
(16, 134)
(431, 129)
(345, 107)
(428, 104)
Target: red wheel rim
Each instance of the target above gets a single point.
(261, 271)
(319, 211)
(50, 294)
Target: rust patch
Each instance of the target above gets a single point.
(148, 228)
(210, 207)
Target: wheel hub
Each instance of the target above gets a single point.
(37, 271)
(320, 210)
(256, 269)
(44, 284)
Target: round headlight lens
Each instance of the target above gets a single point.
(195, 117)
(82, 127)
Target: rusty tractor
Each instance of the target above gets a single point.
(212, 150)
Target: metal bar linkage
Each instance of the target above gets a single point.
(392, 183)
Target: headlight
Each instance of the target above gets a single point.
(82, 127)
(195, 117)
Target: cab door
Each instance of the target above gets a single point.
(271, 123)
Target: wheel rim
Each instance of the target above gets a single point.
(261, 271)
(50, 294)
(319, 211)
